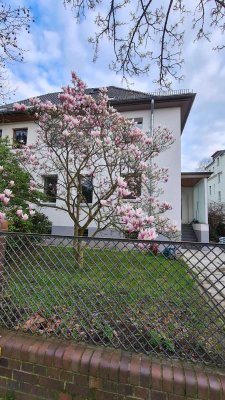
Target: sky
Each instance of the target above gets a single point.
(57, 45)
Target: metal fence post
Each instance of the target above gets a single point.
(3, 228)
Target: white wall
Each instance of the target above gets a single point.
(213, 180)
(171, 158)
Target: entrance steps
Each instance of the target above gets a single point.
(188, 233)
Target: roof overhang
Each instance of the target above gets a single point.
(190, 179)
(184, 102)
(15, 116)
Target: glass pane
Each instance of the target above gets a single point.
(50, 188)
(87, 189)
(20, 137)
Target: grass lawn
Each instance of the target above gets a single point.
(126, 299)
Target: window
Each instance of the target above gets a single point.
(210, 190)
(50, 187)
(219, 196)
(219, 176)
(214, 189)
(19, 137)
(87, 189)
(131, 235)
(0, 133)
(133, 185)
(138, 122)
(218, 161)
(84, 234)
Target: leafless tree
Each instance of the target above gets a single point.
(144, 32)
(13, 21)
(203, 164)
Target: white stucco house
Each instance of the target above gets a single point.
(216, 182)
(187, 192)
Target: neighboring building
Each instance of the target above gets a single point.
(216, 182)
(168, 110)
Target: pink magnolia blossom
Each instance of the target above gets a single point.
(150, 219)
(2, 215)
(6, 200)
(25, 217)
(1, 168)
(8, 192)
(19, 213)
(147, 234)
(20, 107)
(104, 202)
(123, 192)
(121, 182)
(11, 183)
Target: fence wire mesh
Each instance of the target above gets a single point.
(162, 298)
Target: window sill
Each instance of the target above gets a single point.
(48, 203)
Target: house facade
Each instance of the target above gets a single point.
(216, 182)
(148, 110)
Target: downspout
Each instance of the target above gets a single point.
(151, 134)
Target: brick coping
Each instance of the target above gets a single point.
(102, 364)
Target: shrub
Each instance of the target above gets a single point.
(38, 223)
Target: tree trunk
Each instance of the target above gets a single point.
(78, 248)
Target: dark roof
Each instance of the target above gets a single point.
(218, 153)
(123, 98)
(115, 94)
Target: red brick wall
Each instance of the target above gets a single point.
(35, 368)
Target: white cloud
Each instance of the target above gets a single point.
(58, 45)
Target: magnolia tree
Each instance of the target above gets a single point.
(90, 145)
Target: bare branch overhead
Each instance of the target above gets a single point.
(147, 34)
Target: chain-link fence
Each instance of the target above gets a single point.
(161, 298)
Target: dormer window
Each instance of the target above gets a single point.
(19, 137)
